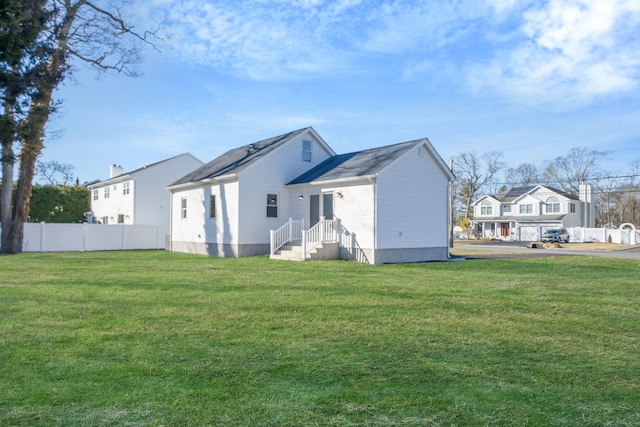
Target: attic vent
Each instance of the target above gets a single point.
(422, 151)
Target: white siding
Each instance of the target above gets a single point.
(191, 228)
(198, 227)
(148, 200)
(527, 200)
(357, 215)
(412, 203)
(224, 227)
(269, 175)
(117, 203)
(299, 209)
(493, 203)
(151, 196)
(574, 219)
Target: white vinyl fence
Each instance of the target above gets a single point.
(44, 237)
(626, 236)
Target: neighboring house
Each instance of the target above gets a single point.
(388, 204)
(524, 213)
(139, 196)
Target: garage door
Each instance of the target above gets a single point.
(529, 233)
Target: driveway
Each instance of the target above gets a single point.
(520, 250)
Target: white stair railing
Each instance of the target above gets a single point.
(285, 234)
(325, 230)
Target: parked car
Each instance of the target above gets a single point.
(556, 235)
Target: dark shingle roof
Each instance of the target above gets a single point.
(237, 159)
(361, 163)
(515, 192)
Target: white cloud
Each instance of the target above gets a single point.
(569, 50)
(260, 39)
(419, 26)
(273, 39)
(575, 51)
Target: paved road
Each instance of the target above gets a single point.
(519, 251)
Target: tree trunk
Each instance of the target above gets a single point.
(32, 135)
(7, 194)
(7, 135)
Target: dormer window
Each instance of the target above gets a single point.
(306, 151)
(553, 205)
(486, 208)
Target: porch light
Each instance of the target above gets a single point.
(301, 197)
(339, 194)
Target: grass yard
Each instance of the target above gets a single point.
(167, 339)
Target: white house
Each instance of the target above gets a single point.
(384, 205)
(139, 196)
(524, 213)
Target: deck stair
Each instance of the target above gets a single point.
(292, 251)
(320, 242)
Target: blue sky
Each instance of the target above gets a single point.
(530, 79)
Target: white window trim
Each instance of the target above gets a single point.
(525, 211)
(486, 208)
(183, 208)
(307, 154)
(272, 205)
(212, 206)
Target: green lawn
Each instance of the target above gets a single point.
(167, 339)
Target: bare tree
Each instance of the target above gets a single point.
(578, 166)
(55, 173)
(606, 202)
(524, 175)
(624, 200)
(474, 173)
(40, 40)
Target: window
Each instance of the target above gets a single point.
(553, 205)
(526, 209)
(95, 195)
(272, 205)
(486, 208)
(572, 208)
(120, 219)
(125, 188)
(306, 151)
(183, 208)
(104, 220)
(212, 206)
(506, 208)
(106, 192)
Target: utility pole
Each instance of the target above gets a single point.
(451, 206)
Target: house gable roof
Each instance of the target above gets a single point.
(557, 192)
(358, 164)
(237, 159)
(516, 193)
(486, 196)
(129, 175)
